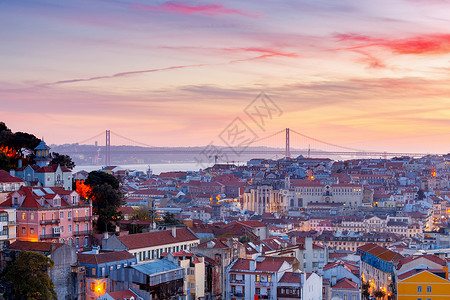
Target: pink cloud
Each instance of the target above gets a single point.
(187, 9)
(426, 44)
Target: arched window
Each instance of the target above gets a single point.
(292, 202)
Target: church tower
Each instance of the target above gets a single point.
(42, 154)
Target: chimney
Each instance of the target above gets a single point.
(252, 265)
(174, 231)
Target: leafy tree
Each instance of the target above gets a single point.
(365, 290)
(62, 160)
(245, 239)
(107, 198)
(28, 277)
(379, 294)
(420, 194)
(144, 213)
(22, 141)
(169, 219)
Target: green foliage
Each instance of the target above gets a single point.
(144, 213)
(21, 143)
(99, 178)
(62, 160)
(169, 219)
(379, 294)
(107, 198)
(28, 277)
(245, 239)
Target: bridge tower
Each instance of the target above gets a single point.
(108, 148)
(288, 147)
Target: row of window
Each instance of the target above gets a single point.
(57, 229)
(54, 215)
(429, 289)
(155, 254)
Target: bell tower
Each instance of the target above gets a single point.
(42, 154)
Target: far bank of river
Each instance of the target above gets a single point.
(156, 168)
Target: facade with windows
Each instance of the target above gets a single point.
(51, 215)
(422, 284)
(152, 245)
(377, 267)
(99, 267)
(8, 227)
(248, 278)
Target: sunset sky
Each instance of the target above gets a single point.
(371, 75)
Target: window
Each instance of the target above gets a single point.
(31, 230)
(23, 230)
(258, 279)
(103, 271)
(345, 297)
(32, 216)
(104, 285)
(23, 216)
(62, 229)
(429, 289)
(61, 215)
(94, 271)
(419, 289)
(92, 286)
(70, 228)
(86, 241)
(69, 214)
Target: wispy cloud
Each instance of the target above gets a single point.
(421, 44)
(188, 9)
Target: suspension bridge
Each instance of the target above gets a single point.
(283, 143)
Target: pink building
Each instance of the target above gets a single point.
(51, 214)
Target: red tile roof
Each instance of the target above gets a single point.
(104, 257)
(5, 177)
(156, 238)
(345, 283)
(291, 277)
(34, 246)
(123, 295)
(433, 258)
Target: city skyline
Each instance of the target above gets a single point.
(177, 73)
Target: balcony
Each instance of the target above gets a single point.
(82, 219)
(85, 232)
(239, 281)
(12, 223)
(49, 222)
(50, 236)
(237, 295)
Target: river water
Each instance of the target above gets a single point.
(156, 168)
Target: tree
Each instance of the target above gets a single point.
(169, 219)
(245, 239)
(62, 160)
(144, 213)
(379, 294)
(28, 277)
(106, 198)
(420, 194)
(365, 290)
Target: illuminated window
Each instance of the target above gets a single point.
(104, 285)
(92, 286)
(94, 271)
(23, 216)
(32, 216)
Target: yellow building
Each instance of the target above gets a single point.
(423, 285)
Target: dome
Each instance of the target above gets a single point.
(42, 146)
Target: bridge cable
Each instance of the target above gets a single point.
(133, 141)
(326, 143)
